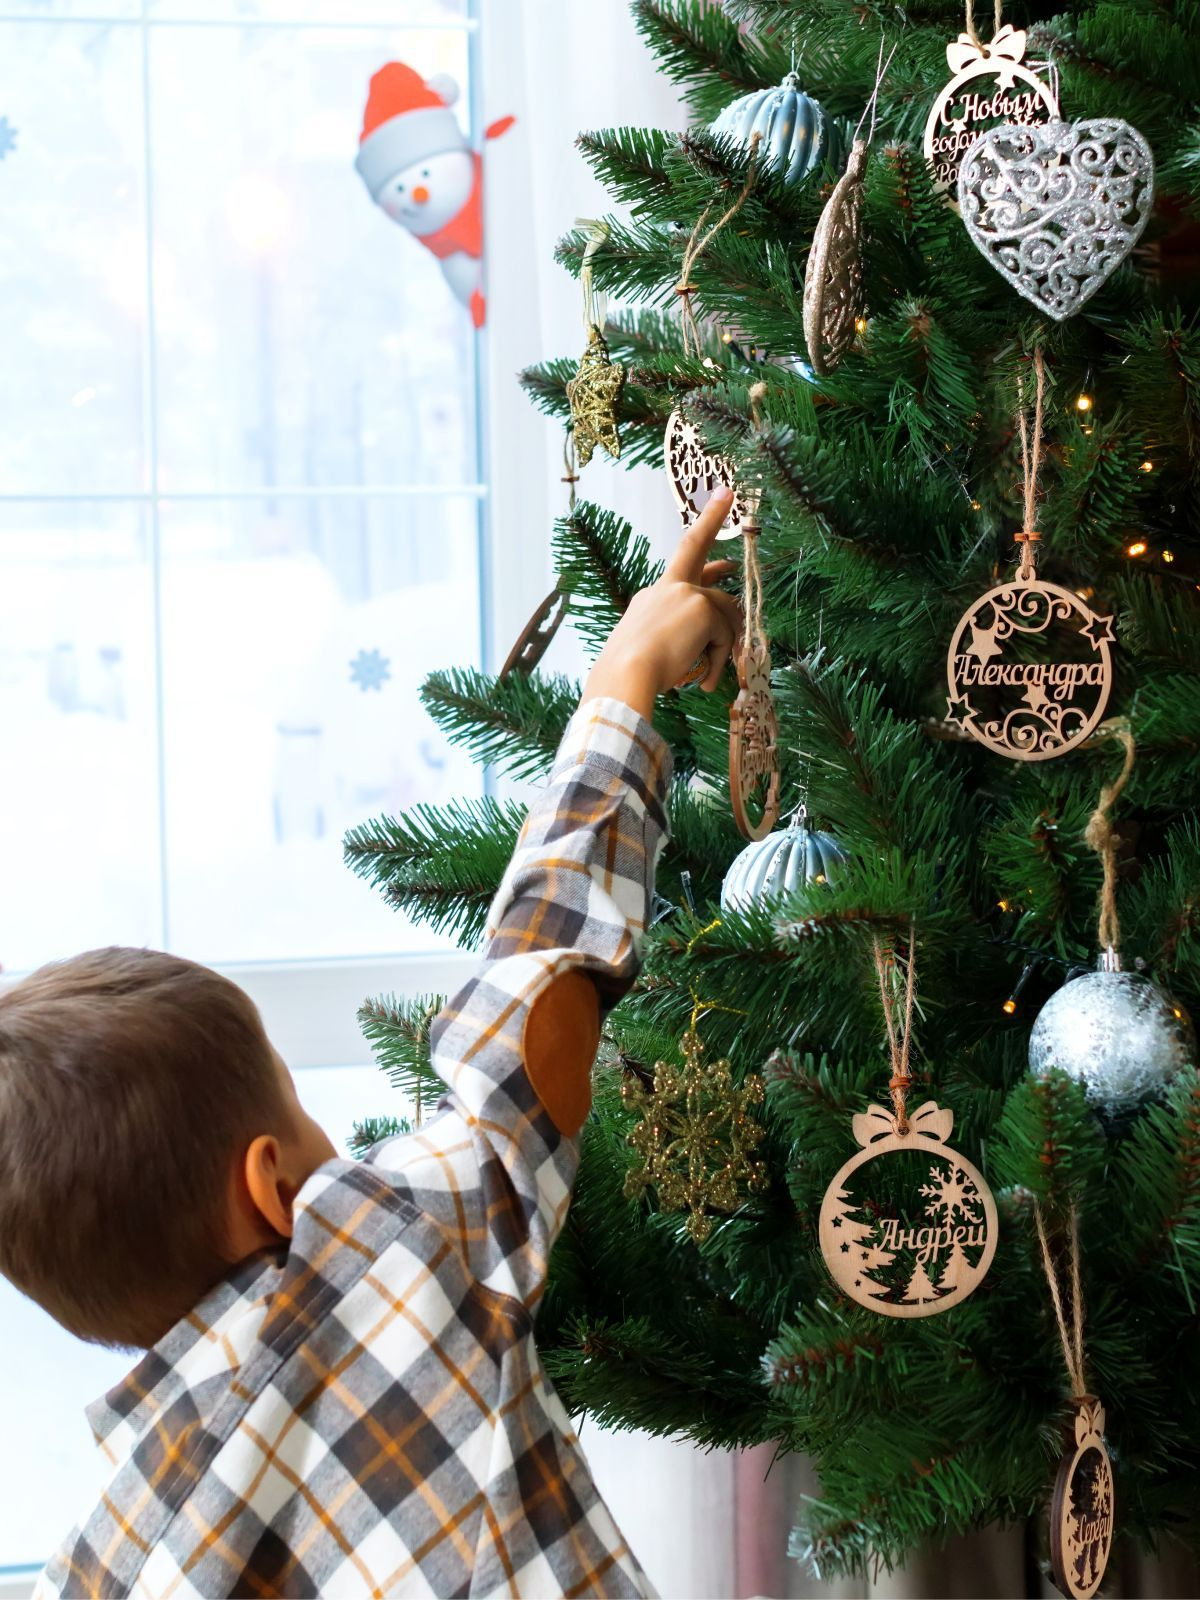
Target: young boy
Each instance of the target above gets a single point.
(341, 1394)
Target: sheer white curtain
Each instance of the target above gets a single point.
(564, 67)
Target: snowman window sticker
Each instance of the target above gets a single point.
(419, 169)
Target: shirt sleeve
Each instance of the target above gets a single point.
(574, 899)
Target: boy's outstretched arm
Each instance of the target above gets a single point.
(564, 933)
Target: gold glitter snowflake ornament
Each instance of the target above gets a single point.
(695, 1136)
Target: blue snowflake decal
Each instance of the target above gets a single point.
(8, 138)
(370, 670)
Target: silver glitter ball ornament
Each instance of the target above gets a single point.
(1057, 206)
(784, 860)
(796, 135)
(1116, 1033)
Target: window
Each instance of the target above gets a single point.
(241, 517)
(241, 493)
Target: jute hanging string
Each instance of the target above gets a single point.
(698, 244)
(1100, 837)
(996, 18)
(899, 1041)
(1070, 1335)
(1031, 462)
(754, 634)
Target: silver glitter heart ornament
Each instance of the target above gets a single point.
(1057, 207)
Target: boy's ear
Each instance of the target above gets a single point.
(269, 1190)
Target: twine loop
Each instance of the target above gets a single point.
(595, 303)
(899, 1042)
(996, 19)
(1070, 1335)
(1100, 836)
(1031, 462)
(699, 243)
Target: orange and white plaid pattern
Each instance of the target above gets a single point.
(367, 1416)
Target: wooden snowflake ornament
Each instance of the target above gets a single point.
(695, 1137)
(919, 1238)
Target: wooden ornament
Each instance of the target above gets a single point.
(753, 739)
(695, 471)
(1081, 1508)
(936, 1254)
(969, 104)
(534, 638)
(833, 301)
(1024, 709)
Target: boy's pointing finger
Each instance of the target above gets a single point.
(687, 564)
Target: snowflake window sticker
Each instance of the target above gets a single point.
(370, 669)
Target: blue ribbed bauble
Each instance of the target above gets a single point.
(782, 861)
(797, 136)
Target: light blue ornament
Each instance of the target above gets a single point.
(797, 136)
(782, 861)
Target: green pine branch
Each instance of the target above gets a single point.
(512, 723)
(440, 865)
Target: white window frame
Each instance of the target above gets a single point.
(309, 1007)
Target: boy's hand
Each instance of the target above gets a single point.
(667, 626)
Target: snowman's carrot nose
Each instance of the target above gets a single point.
(420, 194)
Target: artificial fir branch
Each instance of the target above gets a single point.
(443, 866)
(514, 723)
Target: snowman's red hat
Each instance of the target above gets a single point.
(407, 120)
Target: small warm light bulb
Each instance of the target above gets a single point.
(1009, 1007)
(1084, 403)
(727, 337)
(1168, 556)
(1003, 904)
(1177, 1011)
(1146, 466)
(860, 324)
(975, 506)
(1085, 593)
(1137, 548)
(820, 878)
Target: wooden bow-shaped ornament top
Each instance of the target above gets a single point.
(928, 1121)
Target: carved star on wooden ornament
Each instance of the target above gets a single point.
(593, 394)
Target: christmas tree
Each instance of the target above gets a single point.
(892, 488)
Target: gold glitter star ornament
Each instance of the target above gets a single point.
(593, 394)
(696, 1137)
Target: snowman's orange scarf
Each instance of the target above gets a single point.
(465, 231)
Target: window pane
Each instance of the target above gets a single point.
(389, 13)
(50, 1471)
(72, 260)
(78, 816)
(69, 8)
(303, 337)
(296, 633)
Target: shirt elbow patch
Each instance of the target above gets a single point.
(559, 1043)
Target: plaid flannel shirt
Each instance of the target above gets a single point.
(368, 1414)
